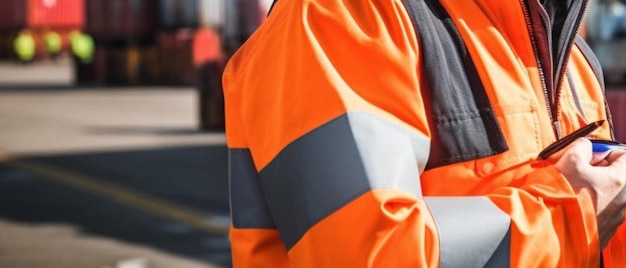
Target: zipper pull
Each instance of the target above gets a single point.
(557, 130)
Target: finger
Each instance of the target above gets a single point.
(601, 163)
(614, 155)
(617, 161)
(599, 156)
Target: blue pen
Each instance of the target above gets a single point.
(602, 148)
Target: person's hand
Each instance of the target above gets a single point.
(604, 181)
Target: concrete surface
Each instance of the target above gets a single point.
(56, 245)
(48, 121)
(107, 177)
(46, 73)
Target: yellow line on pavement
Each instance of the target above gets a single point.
(152, 205)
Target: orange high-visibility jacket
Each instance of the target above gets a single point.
(329, 136)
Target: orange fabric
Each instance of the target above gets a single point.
(257, 248)
(314, 60)
(352, 239)
(615, 252)
(539, 199)
(305, 98)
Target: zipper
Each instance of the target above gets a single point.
(570, 43)
(551, 112)
(552, 104)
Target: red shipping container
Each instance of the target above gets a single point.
(148, 68)
(117, 66)
(56, 13)
(167, 56)
(6, 45)
(175, 14)
(121, 19)
(176, 56)
(12, 15)
(616, 98)
(95, 72)
(184, 57)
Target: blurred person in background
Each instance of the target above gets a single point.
(25, 47)
(82, 46)
(53, 44)
(208, 65)
(410, 133)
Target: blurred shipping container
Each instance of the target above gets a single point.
(19, 14)
(184, 57)
(39, 17)
(93, 73)
(121, 20)
(139, 66)
(606, 34)
(223, 14)
(176, 59)
(250, 16)
(175, 14)
(127, 48)
(12, 15)
(117, 66)
(241, 18)
(6, 45)
(230, 26)
(237, 15)
(616, 98)
(148, 69)
(612, 56)
(166, 42)
(134, 65)
(56, 13)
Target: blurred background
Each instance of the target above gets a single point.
(112, 151)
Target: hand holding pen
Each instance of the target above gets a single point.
(601, 148)
(567, 140)
(601, 180)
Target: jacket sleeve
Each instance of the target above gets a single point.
(326, 95)
(614, 255)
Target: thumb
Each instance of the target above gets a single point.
(580, 150)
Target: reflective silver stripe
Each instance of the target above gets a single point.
(473, 232)
(248, 208)
(334, 164)
(572, 87)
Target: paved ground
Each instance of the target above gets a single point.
(48, 73)
(107, 177)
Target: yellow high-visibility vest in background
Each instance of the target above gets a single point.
(53, 42)
(25, 46)
(83, 46)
